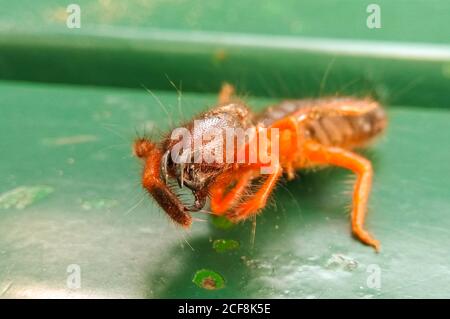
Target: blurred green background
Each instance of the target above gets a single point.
(71, 101)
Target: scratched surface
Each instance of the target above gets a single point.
(75, 141)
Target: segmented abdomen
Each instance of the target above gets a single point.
(332, 121)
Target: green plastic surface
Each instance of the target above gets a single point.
(99, 218)
(70, 192)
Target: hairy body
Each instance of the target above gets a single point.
(310, 133)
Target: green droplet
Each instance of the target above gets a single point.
(222, 222)
(222, 245)
(208, 279)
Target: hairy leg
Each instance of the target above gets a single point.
(259, 199)
(222, 201)
(290, 147)
(226, 93)
(336, 156)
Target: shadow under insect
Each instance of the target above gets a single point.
(289, 227)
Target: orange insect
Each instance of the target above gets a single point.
(311, 133)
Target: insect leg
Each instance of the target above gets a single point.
(320, 154)
(222, 201)
(290, 124)
(259, 199)
(161, 193)
(225, 94)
